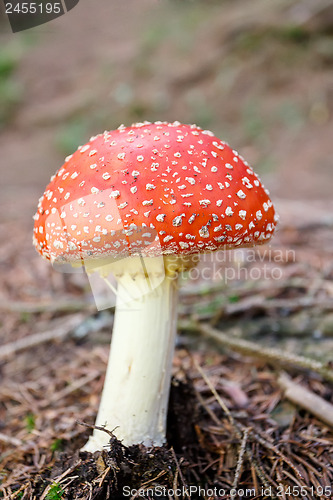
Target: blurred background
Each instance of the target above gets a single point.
(259, 74)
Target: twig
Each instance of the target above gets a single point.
(242, 432)
(257, 301)
(207, 408)
(104, 474)
(179, 471)
(74, 386)
(270, 446)
(275, 356)
(66, 327)
(214, 392)
(273, 288)
(53, 306)
(280, 483)
(149, 481)
(10, 440)
(59, 478)
(307, 399)
(99, 428)
(240, 460)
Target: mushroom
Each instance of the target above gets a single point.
(141, 202)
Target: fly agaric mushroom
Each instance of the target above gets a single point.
(164, 191)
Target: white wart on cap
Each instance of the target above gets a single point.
(170, 181)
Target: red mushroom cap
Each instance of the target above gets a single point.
(168, 188)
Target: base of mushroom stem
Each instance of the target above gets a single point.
(137, 383)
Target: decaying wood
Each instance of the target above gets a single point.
(306, 399)
(275, 356)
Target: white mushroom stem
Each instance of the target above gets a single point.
(136, 390)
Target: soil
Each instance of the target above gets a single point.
(260, 76)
